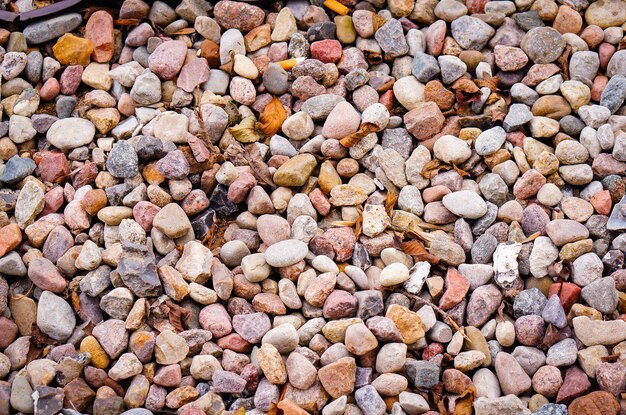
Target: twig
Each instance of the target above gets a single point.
(445, 315)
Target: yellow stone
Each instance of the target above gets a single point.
(105, 119)
(573, 250)
(328, 177)
(295, 171)
(73, 50)
(476, 341)
(335, 330)
(469, 133)
(408, 323)
(582, 310)
(99, 358)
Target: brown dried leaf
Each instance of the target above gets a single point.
(272, 117)
(464, 403)
(461, 172)
(76, 302)
(178, 316)
(126, 22)
(466, 91)
(185, 31)
(352, 139)
(491, 83)
(260, 170)
(246, 131)
(433, 167)
(416, 249)
(390, 202)
(40, 339)
(563, 62)
(358, 226)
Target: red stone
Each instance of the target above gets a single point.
(568, 293)
(456, 288)
(575, 384)
(10, 238)
(606, 51)
(195, 202)
(424, 121)
(435, 36)
(200, 152)
(70, 79)
(78, 395)
(319, 201)
(8, 332)
(235, 343)
(49, 90)
(193, 74)
(387, 99)
(342, 241)
(601, 202)
(53, 200)
(599, 83)
(239, 189)
(99, 30)
(432, 350)
(53, 166)
(144, 213)
(85, 175)
(593, 35)
(327, 50)
(529, 184)
(476, 6)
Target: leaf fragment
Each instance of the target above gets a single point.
(245, 131)
(352, 139)
(272, 117)
(416, 249)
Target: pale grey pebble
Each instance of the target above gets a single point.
(518, 115)
(563, 353)
(48, 29)
(529, 302)
(601, 295)
(425, 67)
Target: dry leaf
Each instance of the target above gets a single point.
(390, 202)
(466, 91)
(245, 131)
(260, 170)
(76, 302)
(416, 249)
(185, 31)
(272, 117)
(178, 316)
(352, 139)
(463, 404)
(432, 168)
(461, 172)
(358, 226)
(126, 22)
(491, 83)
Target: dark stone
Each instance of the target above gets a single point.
(50, 401)
(123, 162)
(202, 223)
(116, 193)
(529, 302)
(321, 31)
(614, 93)
(220, 203)
(528, 20)
(137, 269)
(149, 148)
(423, 374)
(16, 169)
(360, 257)
(370, 304)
